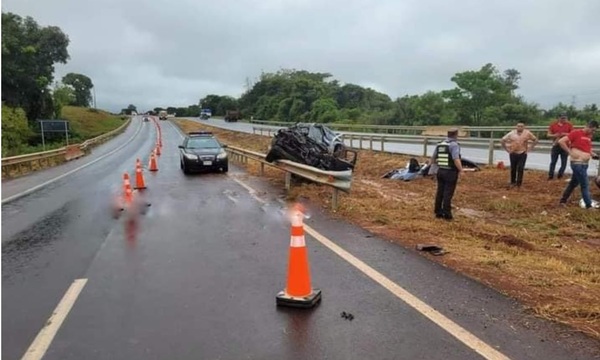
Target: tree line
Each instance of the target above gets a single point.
(29, 92)
(483, 97)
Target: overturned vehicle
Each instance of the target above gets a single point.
(314, 145)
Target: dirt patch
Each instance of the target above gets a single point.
(518, 241)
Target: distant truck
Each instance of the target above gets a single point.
(232, 115)
(205, 114)
(162, 115)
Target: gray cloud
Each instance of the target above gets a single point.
(161, 53)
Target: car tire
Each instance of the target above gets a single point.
(225, 168)
(184, 168)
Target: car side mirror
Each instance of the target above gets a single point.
(224, 146)
(181, 147)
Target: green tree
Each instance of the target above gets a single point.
(15, 130)
(477, 90)
(62, 95)
(82, 86)
(29, 53)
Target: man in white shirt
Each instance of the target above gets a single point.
(518, 143)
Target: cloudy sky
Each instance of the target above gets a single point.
(173, 52)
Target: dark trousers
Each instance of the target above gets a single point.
(554, 154)
(446, 184)
(517, 166)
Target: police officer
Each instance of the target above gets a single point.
(447, 157)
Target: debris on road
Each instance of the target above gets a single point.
(432, 249)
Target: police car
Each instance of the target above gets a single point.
(201, 151)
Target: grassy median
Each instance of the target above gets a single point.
(516, 241)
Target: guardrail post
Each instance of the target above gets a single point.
(262, 169)
(360, 141)
(491, 153)
(371, 142)
(425, 141)
(334, 199)
(288, 180)
(383, 143)
(351, 140)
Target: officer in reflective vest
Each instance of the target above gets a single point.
(447, 156)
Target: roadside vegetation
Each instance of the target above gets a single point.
(30, 93)
(516, 241)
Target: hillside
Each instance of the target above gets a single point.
(87, 123)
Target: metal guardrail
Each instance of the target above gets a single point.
(29, 159)
(337, 180)
(474, 131)
(472, 142)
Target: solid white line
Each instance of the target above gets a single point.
(250, 190)
(37, 187)
(450, 326)
(438, 318)
(44, 338)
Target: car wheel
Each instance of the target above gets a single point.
(185, 169)
(225, 168)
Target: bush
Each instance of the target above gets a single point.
(15, 131)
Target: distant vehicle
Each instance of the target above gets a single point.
(201, 151)
(146, 119)
(162, 115)
(205, 114)
(232, 115)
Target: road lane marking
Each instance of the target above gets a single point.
(463, 335)
(250, 190)
(37, 187)
(44, 338)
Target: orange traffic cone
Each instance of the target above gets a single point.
(153, 165)
(298, 292)
(157, 149)
(127, 192)
(139, 176)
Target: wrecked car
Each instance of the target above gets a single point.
(314, 145)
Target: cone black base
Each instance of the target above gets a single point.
(309, 301)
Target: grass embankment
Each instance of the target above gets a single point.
(516, 241)
(88, 123)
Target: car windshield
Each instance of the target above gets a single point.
(202, 143)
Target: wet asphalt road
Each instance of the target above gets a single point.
(535, 160)
(198, 279)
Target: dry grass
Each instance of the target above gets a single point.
(517, 241)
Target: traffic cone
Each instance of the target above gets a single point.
(127, 192)
(298, 292)
(157, 149)
(153, 165)
(139, 176)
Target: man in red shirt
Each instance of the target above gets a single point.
(578, 144)
(558, 129)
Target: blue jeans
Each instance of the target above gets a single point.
(579, 177)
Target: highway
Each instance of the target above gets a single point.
(535, 160)
(197, 277)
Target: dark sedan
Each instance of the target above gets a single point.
(201, 151)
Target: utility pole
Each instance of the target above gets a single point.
(94, 88)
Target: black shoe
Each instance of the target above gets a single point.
(559, 176)
(439, 216)
(550, 177)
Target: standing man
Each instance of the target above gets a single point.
(578, 144)
(447, 156)
(517, 145)
(558, 129)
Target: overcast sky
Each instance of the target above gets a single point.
(173, 52)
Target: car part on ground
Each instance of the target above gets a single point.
(312, 145)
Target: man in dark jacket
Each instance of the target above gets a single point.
(447, 157)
